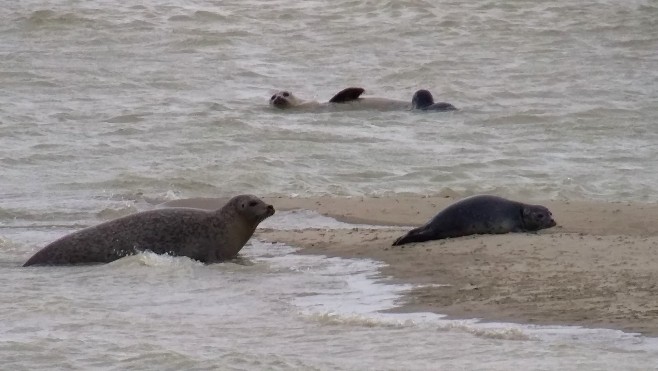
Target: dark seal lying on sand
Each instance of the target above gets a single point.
(207, 236)
(482, 214)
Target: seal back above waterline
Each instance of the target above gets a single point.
(207, 236)
(348, 99)
(481, 214)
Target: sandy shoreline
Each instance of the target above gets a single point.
(597, 268)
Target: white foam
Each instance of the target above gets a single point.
(351, 292)
(151, 259)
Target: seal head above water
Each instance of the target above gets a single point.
(423, 100)
(482, 214)
(207, 236)
(285, 100)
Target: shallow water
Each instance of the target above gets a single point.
(272, 310)
(108, 108)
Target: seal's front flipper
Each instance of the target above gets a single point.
(347, 95)
(420, 234)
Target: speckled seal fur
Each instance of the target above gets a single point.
(481, 214)
(207, 236)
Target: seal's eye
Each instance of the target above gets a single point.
(273, 97)
(286, 94)
(540, 216)
(253, 203)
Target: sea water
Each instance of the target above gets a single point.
(108, 108)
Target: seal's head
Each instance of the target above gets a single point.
(283, 99)
(251, 208)
(422, 99)
(536, 217)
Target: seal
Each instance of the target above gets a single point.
(346, 99)
(207, 236)
(481, 214)
(423, 100)
(286, 100)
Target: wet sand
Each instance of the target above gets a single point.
(597, 268)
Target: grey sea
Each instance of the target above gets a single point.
(107, 108)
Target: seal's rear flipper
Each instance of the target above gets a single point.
(347, 95)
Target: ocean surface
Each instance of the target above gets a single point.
(108, 108)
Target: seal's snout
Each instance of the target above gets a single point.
(270, 210)
(551, 223)
(280, 102)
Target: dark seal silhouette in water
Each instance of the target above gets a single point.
(423, 100)
(207, 236)
(482, 214)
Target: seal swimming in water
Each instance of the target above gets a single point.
(482, 214)
(423, 100)
(346, 99)
(207, 236)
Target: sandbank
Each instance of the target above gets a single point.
(597, 268)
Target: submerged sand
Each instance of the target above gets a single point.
(597, 268)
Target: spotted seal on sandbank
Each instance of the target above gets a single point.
(423, 100)
(346, 99)
(207, 236)
(481, 214)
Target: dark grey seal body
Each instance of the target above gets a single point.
(423, 100)
(482, 214)
(207, 236)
